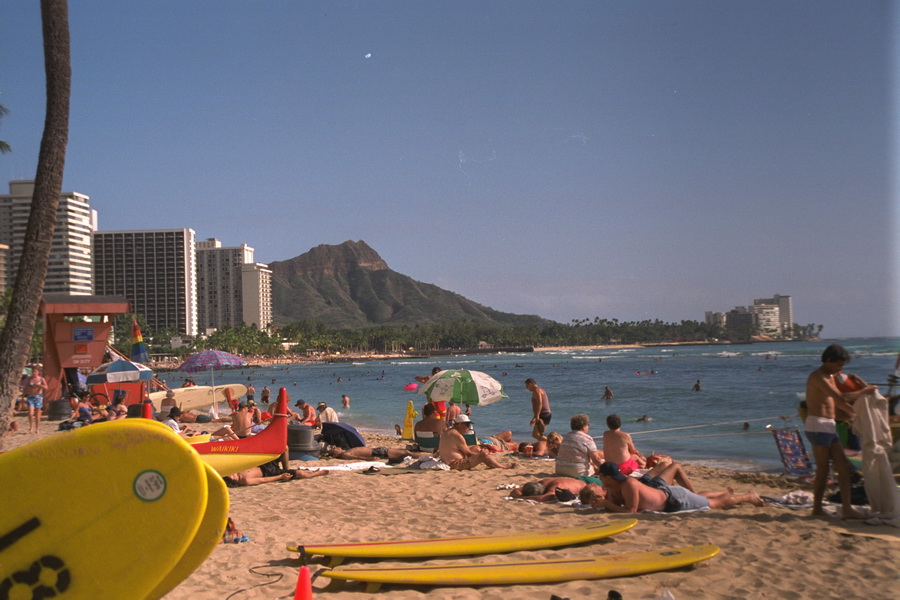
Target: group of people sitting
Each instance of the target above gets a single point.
(600, 477)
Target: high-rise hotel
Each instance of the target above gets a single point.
(232, 290)
(155, 269)
(69, 267)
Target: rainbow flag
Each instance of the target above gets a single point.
(138, 348)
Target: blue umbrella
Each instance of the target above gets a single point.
(119, 371)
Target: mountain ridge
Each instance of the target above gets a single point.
(350, 286)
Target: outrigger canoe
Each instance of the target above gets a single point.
(231, 456)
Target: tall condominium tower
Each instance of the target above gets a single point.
(232, 290)
(155, 269)
(69, 267)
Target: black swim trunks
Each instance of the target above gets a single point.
(545, 417)
(380, 452)
(272, 468)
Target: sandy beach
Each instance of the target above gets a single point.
(766, 552)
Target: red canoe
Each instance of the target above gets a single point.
(229, 457)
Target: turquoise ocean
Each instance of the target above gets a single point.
(754, 383)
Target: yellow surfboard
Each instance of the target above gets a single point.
(105, 511)
(525, 571)
(462, 545)
(208, 535)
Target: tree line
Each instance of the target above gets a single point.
(310, 336)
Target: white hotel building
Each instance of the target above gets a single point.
(69, 267)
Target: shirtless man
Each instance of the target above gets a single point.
(34, 387)
(431, 424)
(545, 489)
(307, 414)
(453, 411)
(453, 450)
(822, 398)
(626, 494)
(241, 421)
(618, 447)
(275, 470)
(366, 453)
(540, 407)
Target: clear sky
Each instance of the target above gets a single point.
(629, 160)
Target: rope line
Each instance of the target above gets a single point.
(684, 437)
(634, 433)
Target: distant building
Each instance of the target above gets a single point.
(155, 269)
(232, 290)
(712, 317)
(785, 311)
(69, 266)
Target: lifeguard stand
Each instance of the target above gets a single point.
(76, 333)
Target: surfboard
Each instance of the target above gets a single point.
(199, 396)
(525, 571)
(208, 536)
(104, 512)
(461, 545)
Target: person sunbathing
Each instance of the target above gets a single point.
(366, 453)
(620, 493)
(272, 471)
(550, 488)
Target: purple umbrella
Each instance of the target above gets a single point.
(207, 360)
(210, 360)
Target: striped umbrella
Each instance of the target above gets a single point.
(119, 371)
(463, 387)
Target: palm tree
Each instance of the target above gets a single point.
(4, 147)
(16, 337)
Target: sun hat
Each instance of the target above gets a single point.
(463, 419)
(322, 405)
(266, 415)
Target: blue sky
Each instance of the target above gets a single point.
(629, 160)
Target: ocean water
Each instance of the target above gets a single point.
(755, 383)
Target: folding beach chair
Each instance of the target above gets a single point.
(793, 453)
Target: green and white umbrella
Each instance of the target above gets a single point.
(463, 387)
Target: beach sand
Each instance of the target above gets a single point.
(768, 552)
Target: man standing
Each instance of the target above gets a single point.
(34, 389)
(454, 451)
(251, 392)
(540, 407)
(822, 398)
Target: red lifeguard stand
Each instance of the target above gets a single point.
(76, 333)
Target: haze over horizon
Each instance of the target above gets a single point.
(630, 161)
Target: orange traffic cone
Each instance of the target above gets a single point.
(304, 585)
(147, 410)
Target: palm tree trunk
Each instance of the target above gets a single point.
(15, 340)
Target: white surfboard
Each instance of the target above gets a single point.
(200, 396)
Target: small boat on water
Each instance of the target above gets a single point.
(231, 456)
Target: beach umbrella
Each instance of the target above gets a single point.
(119, 371)
(210, 360)
(138, 347)
(463, 387)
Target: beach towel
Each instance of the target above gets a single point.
(872, 425)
